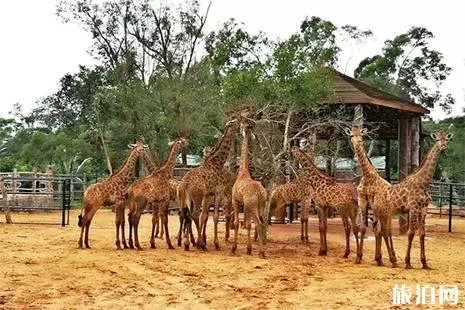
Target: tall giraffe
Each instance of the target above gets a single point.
(379, 194)
(199, 186)
(109, 192)
(412, 195)
(327, 193)
(251, 194)
(153, 190)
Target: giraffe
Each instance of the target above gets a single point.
(199, 185)
(295, 191)
(109, 192)
(327, 193)
(149, 168)
(375, 191)
(154, 190)
(412, 195)
(251, 194)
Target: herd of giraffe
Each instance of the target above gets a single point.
(212, 184)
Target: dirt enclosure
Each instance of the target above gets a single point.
(41, 267)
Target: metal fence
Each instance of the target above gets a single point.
(56, 195)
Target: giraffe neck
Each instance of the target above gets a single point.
(244, 168)
(168, 166)
(367, 168)
(127, 170)
(149, 164)
(310, 171)
(425, 172)
(221, 152)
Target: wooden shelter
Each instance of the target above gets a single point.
(395, 118)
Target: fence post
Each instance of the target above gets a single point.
(6, 207)
(450, 207)
(66, 186)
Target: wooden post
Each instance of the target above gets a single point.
(387, 168)
(34, 180)
(405, 151)
(6, 207)
(415, 140)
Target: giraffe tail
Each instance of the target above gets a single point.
(80, 217)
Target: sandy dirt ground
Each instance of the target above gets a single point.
(41, 267)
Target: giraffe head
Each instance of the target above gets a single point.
(138, 147)
(207, 151)
(179, 143)
(246, 126)
(356, 134)
(442, 139)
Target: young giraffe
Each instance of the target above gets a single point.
(149, 168)
(109, 192)
(173, 186)
(372, 190)
(199, 186)
(327, 193)
(293, 192)
(154, 190)
(412, 195)
(251, 194)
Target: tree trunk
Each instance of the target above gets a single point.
(105, 150)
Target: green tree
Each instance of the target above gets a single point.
(409, 68)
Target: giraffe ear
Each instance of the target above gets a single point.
(131, 146)
(348, 131)
(449, 136)
(170, 143)
(363, 131)
(146, 146)
(434, 136)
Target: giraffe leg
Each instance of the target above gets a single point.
(422, 239)
(235, 206)
(181, 220)
(345, 222)
(186, 226)
(86, 235)
(390, 245)
(164, 217)
(323, 219)
(80, 242)
(378, 240)
(413, 225)
(162, 227)
(155, 219)
(248, 226)
(136, 231)
(216, 217)
(362, 204)
(131, 228)
(304, 222)
(154, 227)
(203, 222)
(123, 223)
(227, 216)
(119, 220)
(260, 229)
(355, 227)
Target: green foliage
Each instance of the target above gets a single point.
(451, 165)
(410, 69)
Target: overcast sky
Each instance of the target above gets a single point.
(37, 48)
